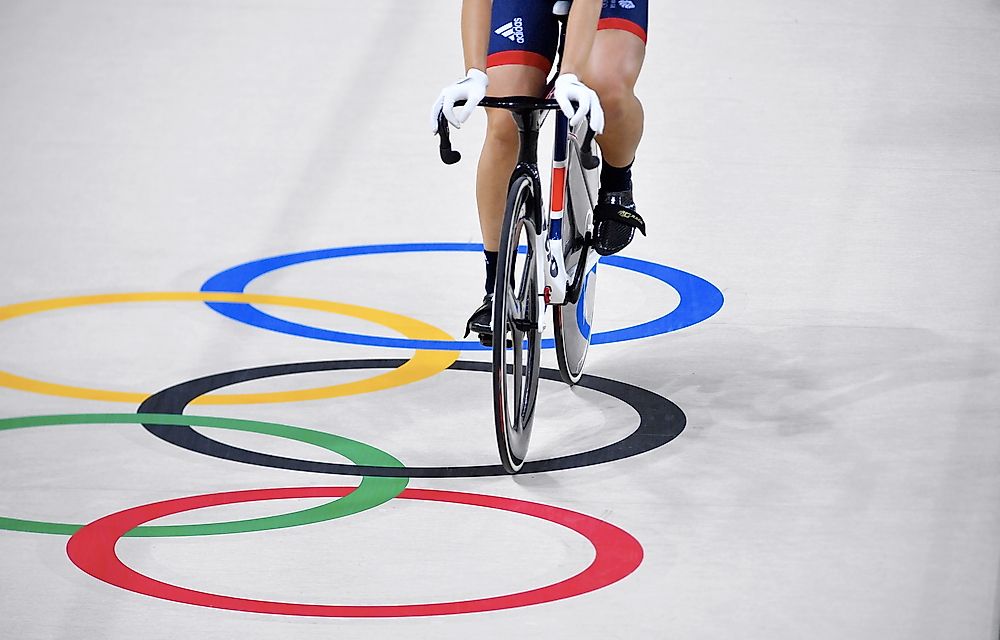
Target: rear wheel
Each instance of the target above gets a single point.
(516, 339)
(572, 324)
(572, 321)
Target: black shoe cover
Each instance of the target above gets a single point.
(480, 322)
(615, 222)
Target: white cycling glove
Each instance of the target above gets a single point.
(471, 88)
(569, 89)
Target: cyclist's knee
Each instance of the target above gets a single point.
(616, 94)
(501, 132)
(613, 70)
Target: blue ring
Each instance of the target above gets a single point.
(700, 299)
(581, 319)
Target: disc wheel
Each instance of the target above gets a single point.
(572, 325)
(516, 340)
(572, 322)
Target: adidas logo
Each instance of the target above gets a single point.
(506, 31)
(513, 31)
(626, 4)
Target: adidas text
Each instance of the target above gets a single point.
(513, 30)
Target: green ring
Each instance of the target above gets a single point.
(372, 491)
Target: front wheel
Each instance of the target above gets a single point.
(516, 339)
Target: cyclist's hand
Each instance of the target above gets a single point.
(568, 90)
(471, 88)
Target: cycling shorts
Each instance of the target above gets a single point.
(526, 32)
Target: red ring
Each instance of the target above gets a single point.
(92, 549)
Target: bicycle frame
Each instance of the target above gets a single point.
(529, 113)
(570, 183)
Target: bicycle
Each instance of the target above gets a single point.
(556, 266)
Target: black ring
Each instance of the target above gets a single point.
(660, 421)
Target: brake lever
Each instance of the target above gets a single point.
(587, 157)
(448, 155)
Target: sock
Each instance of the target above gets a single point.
(491, 269)
(616, 178)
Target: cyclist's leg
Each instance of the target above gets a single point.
(501, 145)
(496, 163)
(612, 71)
(522, 47)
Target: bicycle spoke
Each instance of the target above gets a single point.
(516, 339)
(527, 275)
(514, 307)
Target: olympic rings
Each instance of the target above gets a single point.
(423, 365)
(660, 421)
(700, 299)
(92, 549)
(92, 546)
(370, 493)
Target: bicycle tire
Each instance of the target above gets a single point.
(516, 360)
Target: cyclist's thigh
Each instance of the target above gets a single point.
(615, 60)
(523, 40)
(620, 44)
(515, 80)
(523, 32)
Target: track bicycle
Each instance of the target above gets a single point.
(545, 260)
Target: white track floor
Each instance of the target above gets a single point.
(834, 168)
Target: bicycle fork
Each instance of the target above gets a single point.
(559, 288)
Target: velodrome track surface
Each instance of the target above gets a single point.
(790, 426)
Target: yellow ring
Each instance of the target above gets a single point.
(423, 364)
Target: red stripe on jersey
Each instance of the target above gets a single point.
(622, 25)
(529, 58)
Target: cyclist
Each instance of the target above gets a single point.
(509, 48)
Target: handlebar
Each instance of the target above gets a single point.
(513, 103)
